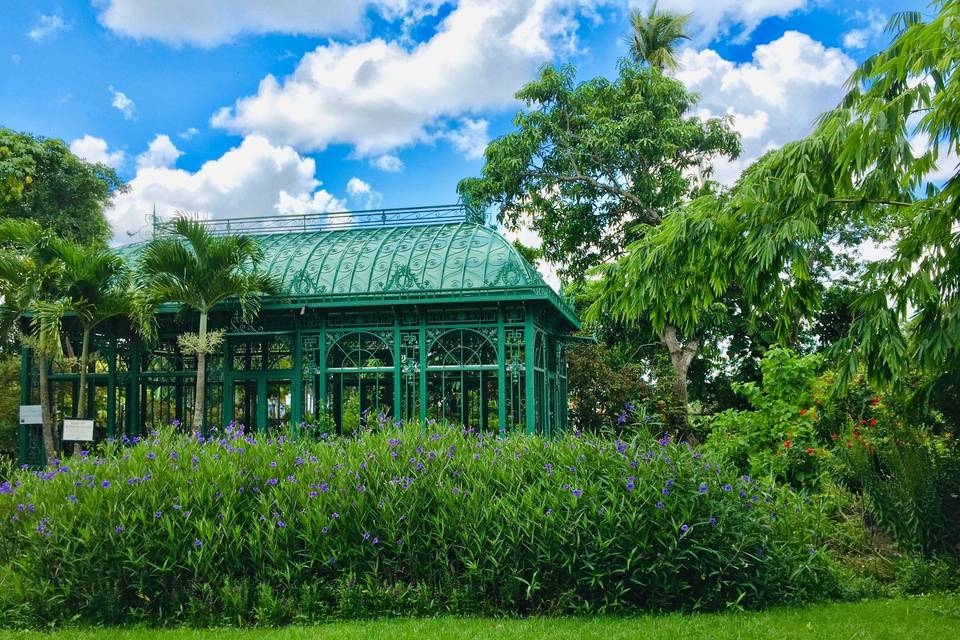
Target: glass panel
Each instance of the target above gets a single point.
(467, 398)
(245, 403)
(268, 354)
(278, 404)
(360, 399)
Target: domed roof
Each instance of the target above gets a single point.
(411, 263)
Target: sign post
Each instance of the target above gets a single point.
(77, 430)
(30, 414)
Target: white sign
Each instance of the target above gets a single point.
(78, 430)
(30, 414)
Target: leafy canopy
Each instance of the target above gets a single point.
(591, 165)
(194, 268)
(655, 35)
(872, 161)
(41, 180)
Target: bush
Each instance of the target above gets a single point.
(778, 437)
(238, 530)
(600, 385)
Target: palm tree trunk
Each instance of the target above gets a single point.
(46, 411)
(199, 398)
(84, 354)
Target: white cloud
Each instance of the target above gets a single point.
(93, 149)
(388, 162)
(212, 22)
(470, 138)
(527, 236)
(47, 27)
(874, 22)
(189, 133)
(948, 162)
(379, 96)
(774, 98)
(362, 193)
(161, 153)
(254, 178)
(855, 39)
(713, 18)
(122, 103)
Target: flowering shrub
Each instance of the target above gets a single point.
(239, 529)
(778, 437)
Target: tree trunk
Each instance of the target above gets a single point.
(681, 355)
(46, 411)
(84, 354)
(199, 397)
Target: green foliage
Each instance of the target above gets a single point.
(600, 385)
(42, 181)
(237, 530)
(655, 35)
(777, 438)
(870, 166)
(911, 480)
(591, 165)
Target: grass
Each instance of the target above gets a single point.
(929, 617)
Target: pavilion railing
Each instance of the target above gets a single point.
(326, 221)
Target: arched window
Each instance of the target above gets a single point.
(462, 379)
(359, 380)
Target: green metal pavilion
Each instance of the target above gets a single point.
(417, 314)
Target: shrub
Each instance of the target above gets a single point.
(600, 385)
(777, 438)
(236, 530)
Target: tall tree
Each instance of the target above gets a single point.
(97, 288)
(32, 285)
(593, 167)
(41, 180)
(655, 36)
(196, 269)
(886, 155)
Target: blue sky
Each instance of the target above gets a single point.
(246, 107)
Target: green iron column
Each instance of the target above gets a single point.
(501, 374)
(111, 386)
(133, 392)
(397, 369)
(296, 384)
(530, 376)
(423, 366)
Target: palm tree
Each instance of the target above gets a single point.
(31, 285)
(655, 35)
(196, 269)
(97, 288)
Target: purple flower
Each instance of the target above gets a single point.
(197, 543)
(713, 522)
(105, 484)
(272, 481)
(665, 491)
(118, 529)
(727, 488)
(631, 484)
(281, 524)
(684, 528)
(703, 487)
(151, 456)
(72, 499)
(334, 515)
(366, 535)
(630, 406)
(622, 418)
(157, 514)
(659, 505)
(577, 493)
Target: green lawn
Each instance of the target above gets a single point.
(928, 617)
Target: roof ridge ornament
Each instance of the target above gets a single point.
(338, 220)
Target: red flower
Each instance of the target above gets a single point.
(787, 444)
(873, 422)
(848, 444)
(803, 412)
(863, 421)
(875, 401)
(809, 451)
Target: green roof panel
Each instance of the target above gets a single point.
(409, 263)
